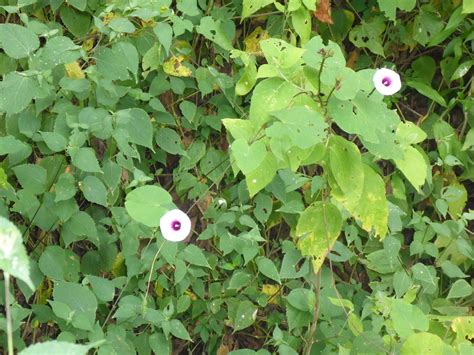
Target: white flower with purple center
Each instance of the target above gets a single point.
(175, 225)
(387, 82)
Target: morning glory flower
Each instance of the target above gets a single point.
(175, 225)
(387, 82)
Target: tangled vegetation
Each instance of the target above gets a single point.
(236, 176)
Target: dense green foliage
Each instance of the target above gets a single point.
(326, 217)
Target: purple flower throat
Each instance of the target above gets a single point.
(176, 225)
(386, 81)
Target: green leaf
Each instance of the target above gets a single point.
(390, 7)
(317, 230)
(467, 7)
(452, 270)
(123, 25)
(55, 141)
(59, 264)
(65, 187)
(58, 50)
(240, 129)
(78, 23)
(94, 190)
(460, 289)
(304, 127)
(239, 280)
(118, 62)
(301, 20)
(13, 257)
(407, 318)
(368, 35)
(31, 177)
(178, 330)
(413, 166)
(427, 91)
(80, 300)
(137, 125)
(9, 144)
(164, 32)
(80, 225)
(302, 299)
(195, 256)
(248, 158)
(261, 176)
(57, 347)
(147, 204)
(347, 169)
(17, 41)
(104, 289)
(85, 159)
(270, 95)
(18, 89)
(245, 315)
(268, 268)
(216, 32)
(250, 7)
(427, 342)
(170, 141)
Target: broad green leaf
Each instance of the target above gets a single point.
(13, 257)
(137, 124)
(248, 158)
(17, 41)
(104, 289)
(460, 289)
(194, 255)
(280, 53)
(261, 176)
(372, 208)
(270, 95)
(347, 169)
(247, 80)
(250, 7)
(413, 166)
(242, 129)
(245, 315)
(121, 24)
(302, 299)
(170, 141)
(427, 91)
(407, 318)
(317, 230)
(58, 50)
(85, 159)
(80, 300)
(65, 187)
(178, 330)
(31, 177)
(239, 280)
(268, 268)
(94, 190)
(467, 7)
(54, 347)
(118, 62)
(452, 270)
(390, 7)
(301, 20)
(59, 264)
(18, 89)
(164, 32)
(9, 144)
(427, 343)
(147, 204)
(76, 22)
(426, 275)
(409, 133)
(427, 25)
(55, 141)
(78, 227)
(304, 127)
(215, 31)
(368, 35)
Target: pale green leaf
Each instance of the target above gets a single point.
(17, 41)
(147, 204)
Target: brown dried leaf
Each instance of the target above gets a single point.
(323, 11)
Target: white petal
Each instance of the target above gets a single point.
(395, 82)
(166, 225)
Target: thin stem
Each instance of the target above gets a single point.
(151, 272)
(8, 313)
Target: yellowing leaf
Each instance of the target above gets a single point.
(252, 41)
(463, 327)
(317, 230)
(88, 44)
(174, 67)
(74, 71)
(271, 291)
